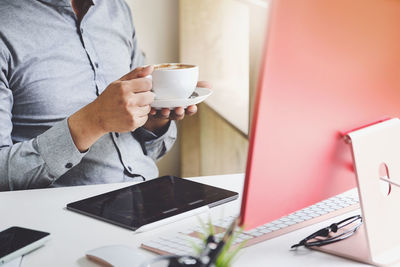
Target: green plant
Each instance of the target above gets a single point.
(228, 253)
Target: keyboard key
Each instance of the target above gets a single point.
(245, 236)
(273, 228)
(252, 231)
(261, 227)
(256, 234)
(186, 231)
(322, 212)
(238, 239)
(266, 231)
(292, 216)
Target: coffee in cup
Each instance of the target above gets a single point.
(174, 80)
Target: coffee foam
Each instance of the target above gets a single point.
(172, 66)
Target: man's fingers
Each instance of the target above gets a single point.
(140, 121)
(179, 111)
(164, 113)
(145, 72)
(139, 72)
(143, 99)
(137, 85)
(204, 84)
(142, 111)
(190, 110)
(178, 114)
(153, 111)
(177, 117)
(132, 75)
(160, 114)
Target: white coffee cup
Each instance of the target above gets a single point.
(174, 80)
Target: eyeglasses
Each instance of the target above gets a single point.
(327, 235)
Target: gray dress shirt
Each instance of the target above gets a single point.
(51, 66)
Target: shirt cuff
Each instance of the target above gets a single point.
(58, 150)
(156, 146)
(146, 135)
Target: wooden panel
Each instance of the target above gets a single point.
(210, 145)
(215, 35)
(190, 145)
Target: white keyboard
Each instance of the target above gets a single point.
(181, 243)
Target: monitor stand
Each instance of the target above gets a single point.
(377, 242)
(356, 248)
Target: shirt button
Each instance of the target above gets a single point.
(81, 30)
(116, 134)
(69, 165)
(129, 168)
(96, 65)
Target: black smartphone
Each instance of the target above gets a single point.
(17, 241)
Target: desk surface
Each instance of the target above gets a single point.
(73, 234)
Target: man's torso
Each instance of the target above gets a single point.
(57, 66)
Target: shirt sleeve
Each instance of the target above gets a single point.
(138, 57)
(34, 163)
(156, 146)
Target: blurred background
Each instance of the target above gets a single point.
(225, 38)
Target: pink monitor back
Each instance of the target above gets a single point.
(329, 66)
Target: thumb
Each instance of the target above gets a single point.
(139, 72)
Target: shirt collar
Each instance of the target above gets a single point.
(63, 2)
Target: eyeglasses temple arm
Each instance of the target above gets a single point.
(389, 181)
(321, 232)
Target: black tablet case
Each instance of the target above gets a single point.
(140, 204)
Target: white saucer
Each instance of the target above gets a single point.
(199, 95)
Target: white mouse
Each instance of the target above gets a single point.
(117, 256)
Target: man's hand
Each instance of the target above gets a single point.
(122, 107)
(158, 119)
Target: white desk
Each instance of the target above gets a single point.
(73, 234)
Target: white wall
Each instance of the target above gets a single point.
(156, 23)
(157, 28)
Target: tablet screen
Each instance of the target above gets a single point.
(15, 238)
(150, 201)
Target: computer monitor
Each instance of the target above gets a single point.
(329, 66)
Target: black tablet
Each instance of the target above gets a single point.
(141, 204)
